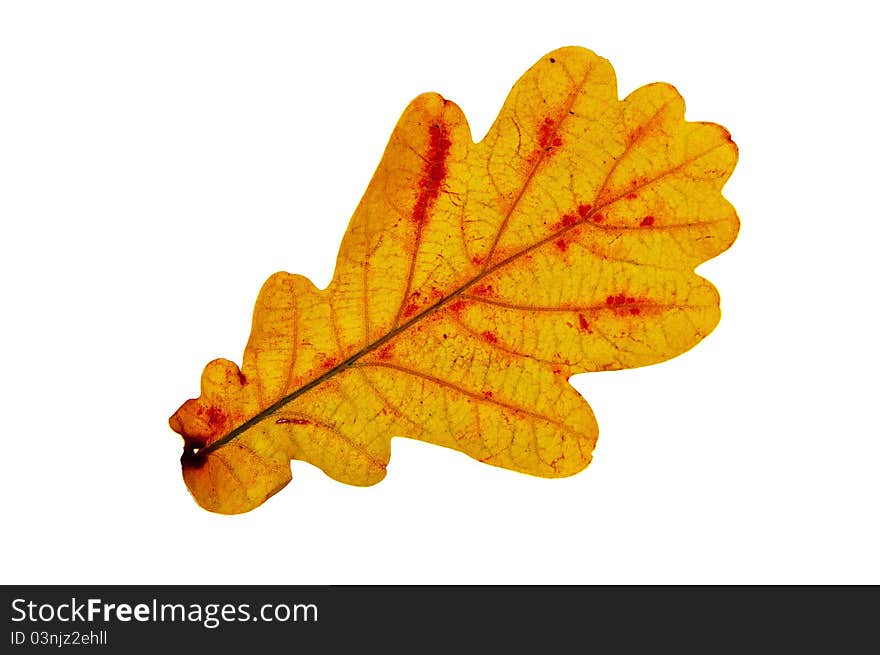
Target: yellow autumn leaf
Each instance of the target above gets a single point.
(473, 281)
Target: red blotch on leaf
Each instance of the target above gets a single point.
(293, 421)
(584, 209)
(412, 305)
(624, 304)
(647, 221)
(636, 134)
(584, 324)
(456, 306)
(545, 133)
(483, 290)
(433, 171)
(216, 417)
(490, 337)
(567, 220)
(562, 244)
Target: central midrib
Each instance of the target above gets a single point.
(366, 350)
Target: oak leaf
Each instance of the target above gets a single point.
(472, 282)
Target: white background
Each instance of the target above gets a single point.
(159, 160)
